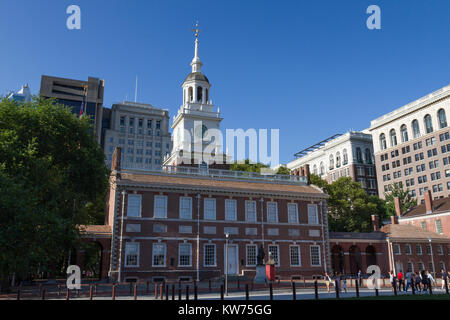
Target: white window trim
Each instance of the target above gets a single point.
(189, 217)
(396, 245)
(165, 206)
(246, 255)
(165, 255)
(247, 213)
(278, 251)
(213, 200)
(421, 250)
(267, 211)
(296, 212)
(310, 257)
(299, 256)
(190, 255)
(204, 255)
(316, 214)
(235, 209)
(137, 196)
(138, 254)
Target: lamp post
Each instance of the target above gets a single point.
(226, 263)
(432, 259)
(198, 237)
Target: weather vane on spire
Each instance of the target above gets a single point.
(196, 30)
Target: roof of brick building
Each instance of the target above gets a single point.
(216, 184)
(407, 231)
(439, 206)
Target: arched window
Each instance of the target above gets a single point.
(199, 94)
(428, 124)
(338, 160)
(207, 95)
(416, 130)
(345, 156)
(359, 155)
(191, 94)
(383, 141)
(442, 119)
(322, 169)
(404, 133)
(331, 162)
(315, 169)
(368, 156)
(393, 137)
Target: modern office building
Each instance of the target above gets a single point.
(141, 130)
(412, 146)
(70, 93)
(342, 155)
(23, 95)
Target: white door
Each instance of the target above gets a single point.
(232, 259)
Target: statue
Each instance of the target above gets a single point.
(260, 256)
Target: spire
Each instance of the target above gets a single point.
(196, 63)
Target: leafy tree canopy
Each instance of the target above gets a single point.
(51, 171)
(349, 207)
(405, 199)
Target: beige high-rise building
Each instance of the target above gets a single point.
(412, 146)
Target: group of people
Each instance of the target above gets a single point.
(402, 282)
(422, 280)
(339, 277)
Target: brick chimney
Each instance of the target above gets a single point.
(428, 202)
(115, 163)
(375, 222)
(398, 207)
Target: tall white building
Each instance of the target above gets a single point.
(196, 135)
(23, 95)
(412, 146)
(346, 155)
(142, 131)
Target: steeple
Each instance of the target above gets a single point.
(196, 63)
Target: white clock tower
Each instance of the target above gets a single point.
(195, 127)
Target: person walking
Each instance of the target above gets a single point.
(344, 283)
(444, 277)
(327, 281)
(391, 279)
(417, 281)
(424, 281)
(408, 280)
(431, 280)
(400, 281)
(360, 278)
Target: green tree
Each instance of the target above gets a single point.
(349, 207)
(406, 200)
(283, 170)
(51, 169)
(247, 166)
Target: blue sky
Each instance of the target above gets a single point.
(309, 68)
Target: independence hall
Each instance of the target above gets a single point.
(173, 224)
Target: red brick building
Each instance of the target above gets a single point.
(433, 215)
(172, 224)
